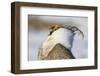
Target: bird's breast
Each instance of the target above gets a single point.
(64, 36)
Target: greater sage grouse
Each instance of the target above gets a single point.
(58, 43)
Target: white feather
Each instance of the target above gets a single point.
(62, 36)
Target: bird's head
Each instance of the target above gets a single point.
(54, 28)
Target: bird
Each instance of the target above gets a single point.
(58, 43)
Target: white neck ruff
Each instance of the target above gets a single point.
(62, 36)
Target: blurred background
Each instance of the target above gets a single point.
(38, 29)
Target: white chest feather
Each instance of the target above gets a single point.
(62, 36)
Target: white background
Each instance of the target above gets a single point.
(5, 42)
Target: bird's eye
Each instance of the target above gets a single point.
(50, 32)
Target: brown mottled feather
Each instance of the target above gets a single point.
(58, 52)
